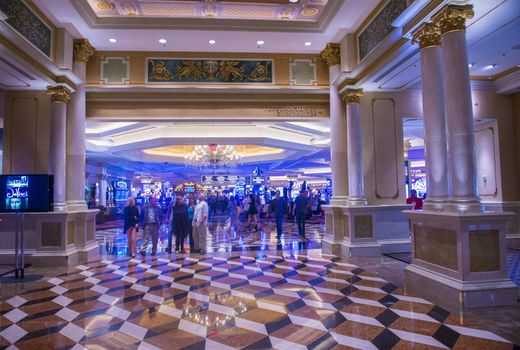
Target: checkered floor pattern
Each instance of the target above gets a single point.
(239, 300)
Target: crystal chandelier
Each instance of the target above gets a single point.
(213, 156)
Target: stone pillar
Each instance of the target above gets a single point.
(356, 181)
(338, 129)
(436, 152)
(334, 219)
(102, 181)
(76, 130)
(58, 144)
(459, 113)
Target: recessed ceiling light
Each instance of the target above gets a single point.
(162, 41)
(293, 0)
(112, 40)
(260, 42)
(471, 64)
(491, 66)
(212, 42)
(308, 43)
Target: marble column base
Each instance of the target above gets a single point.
(339, 201)
(70, 257)
(435, 203)
(334, 229)
(460, 256)
(456, 294)
(329, 246)
(463, 205)
(61, 207)
(356, 201)
(77, 205)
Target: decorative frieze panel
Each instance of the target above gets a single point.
(23, 20)
(381, 26)
(302, 72)
(115, 70)
(222, 71)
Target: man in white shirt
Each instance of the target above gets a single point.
(200, 225)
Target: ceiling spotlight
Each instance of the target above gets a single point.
(112, 40)
(260, 42)
(308, 43)
(162, 41)
(212, 42)
(293, 1)
(471, 65)
(491, 66)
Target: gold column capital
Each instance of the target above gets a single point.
(331, 54)
(352, 95)
(428, 35)
(453, 18)
(82, 50)
(59, 93)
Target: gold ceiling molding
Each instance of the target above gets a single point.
(352, 95)
(179, 151)
(453, 18)
(428, 35)
(83, 50)
(331, 54)
(59, 93)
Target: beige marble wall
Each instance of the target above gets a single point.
(381, 124)
(516, 131)
(26, 132)
(488, 105)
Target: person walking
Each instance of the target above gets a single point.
(180, 223)
(233, 211)
(130, 216)
(191, 212)
(169, 219)
(200, 225)
(151, 218)
(279, 207)
(252, 212)
(301, 204)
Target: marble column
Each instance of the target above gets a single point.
(356, 182)
(436, 151)
(338, 129)
(58, 143)
(76, 130)
(459, 113)
(102, 181)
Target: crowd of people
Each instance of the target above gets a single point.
(187, 217)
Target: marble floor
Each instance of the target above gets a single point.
(247, 292)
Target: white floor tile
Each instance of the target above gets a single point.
(108, 299)
(58, 289)
(133, 330)
(99, 289)
(170, 311)
(55, 281)
(213, 345)
(62, 300)
(119, 313)
(283, 344)
(193, 328)
(67, 314)
(13, 333)
(418, 338)
(15, 315)
(307, 322)
(73, 332)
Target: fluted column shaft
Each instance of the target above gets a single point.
(436, 151)
(459, 112)
(76, 130)
(356, 181)
(58, 144)
(338, 130)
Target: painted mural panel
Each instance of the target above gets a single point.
(381, 26)
(25, 22)
(167, 70)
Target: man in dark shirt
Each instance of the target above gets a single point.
(300, 211)
(278, 206)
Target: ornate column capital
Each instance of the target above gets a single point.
(82, 50)
(331, 54)
(352, 95)
(59, 93)
(428, 35)
(453, 18)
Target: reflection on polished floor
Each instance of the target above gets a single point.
(245, 294)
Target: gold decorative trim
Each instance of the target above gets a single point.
(83, 50)
(59, 93)
(428, 35)
(453, 18)
(331, 54)
(352, 95)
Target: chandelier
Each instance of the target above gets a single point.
(213, 156)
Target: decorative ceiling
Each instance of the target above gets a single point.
(244, 150)
(282, 10)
